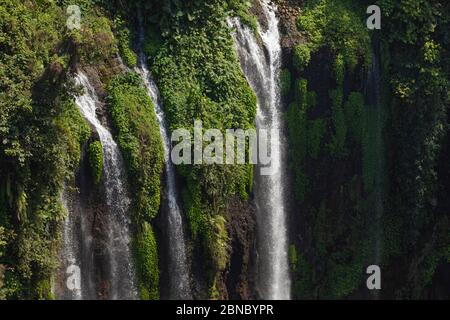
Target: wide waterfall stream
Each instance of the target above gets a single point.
(118, 280)
(262, 72)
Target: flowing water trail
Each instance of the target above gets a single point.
(70, 254)
(178, 267)
(262, 68)
(121, 276)
(375, 133)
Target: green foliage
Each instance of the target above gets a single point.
(44, 290)
(241, 9)
(301, 56)
(41, 132)
(303, 287)
(337, 114)
(337, 25)
(192, 201)
(199, 78)
(95, 155)
(305, 135)
(354, 115)
(152, 42)
(405, 129)
(95, 42)
(125, 40)
(74, 132)
(217, 242)
(286, 81)
(146, 254)
(138, 137)
(213, 292)
(316, 131)
(293, 257)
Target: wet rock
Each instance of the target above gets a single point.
(237, 281)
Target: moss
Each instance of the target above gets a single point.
(303, 287)
(95, 155)
(146, 255)
(338, 25)
(44, 290)
(95, 42)
(354, 115)
(242, 10)
(73, 131)
(217, 242)
(139, 139)
(125, 40)
(199, 77)
(301, 56)
(286, 81)
(213, 292)
(293, 257)
(316, 132)
(192, 203)
(152, 42)
(337, 144)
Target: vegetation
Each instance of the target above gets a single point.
(139, 140)
(146, 252)
(199, 78)
(138, 137)
(367, 121)
(41, 133)
(96, 160)
(345, 144)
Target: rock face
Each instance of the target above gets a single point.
(238, 279)
(289, 11)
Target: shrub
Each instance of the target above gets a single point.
(152, 42)
(139, 139)
(354, 115)
(340, 126)
(128, 55)
(285, 80)
(146, 255)
(293, 257)
(95, 155)
(338, 25)
(302, 56)
(217, 242)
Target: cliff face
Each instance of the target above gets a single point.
(367, 121)
(346, 208)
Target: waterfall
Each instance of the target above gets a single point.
(178, 270)
(70, 252)
(77, 273)
(120, 271)
(262, 72)
(375, 134)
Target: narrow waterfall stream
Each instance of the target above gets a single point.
(120, 271)
(178, 269)
(70, 253)
(375, 134)
(262, 72)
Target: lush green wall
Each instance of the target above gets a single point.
(199, 78)
(346, 156)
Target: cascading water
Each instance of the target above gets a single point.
(262, 73)
(120, 271)
(70, 254)
(375, 134)
(179, 275)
